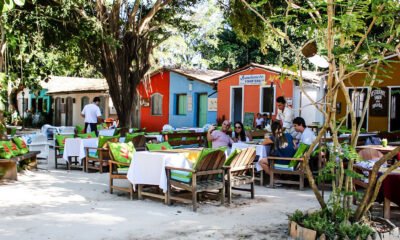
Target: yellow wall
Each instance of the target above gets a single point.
(390, 76)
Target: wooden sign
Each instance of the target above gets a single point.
(378, 103)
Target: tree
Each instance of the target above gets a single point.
(354, 36)
(117, 38)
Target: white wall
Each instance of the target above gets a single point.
(302, 105)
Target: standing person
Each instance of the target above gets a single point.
(92, 114)
(285, 116)
(259, 121)
(239, 134)
(307, 135)
(220, 138)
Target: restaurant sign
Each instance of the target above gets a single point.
(378, 105)
(254, 79)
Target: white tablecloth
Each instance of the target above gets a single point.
(75, 147)
(149, 167)
(198, 130)
(261, 151)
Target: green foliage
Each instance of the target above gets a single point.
(325, 222)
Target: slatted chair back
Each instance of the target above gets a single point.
(212, 161)
(139, 142)
(368, 154)
(244, 158)
(189, 138)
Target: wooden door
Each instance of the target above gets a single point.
(68, 112)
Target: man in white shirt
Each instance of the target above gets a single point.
(92, 114)
(285, 116)
(307, 135)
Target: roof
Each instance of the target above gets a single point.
(74, 84)
(202, 75)
(310, 76)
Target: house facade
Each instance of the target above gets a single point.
(254, 88)
(70, 94)
(383, 112)
(181, 98)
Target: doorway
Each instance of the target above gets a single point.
(358, 97)
(57, 112)
(202, 109)
(68, 112)
(394, 109)
(236, 104)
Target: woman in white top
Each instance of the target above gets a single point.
(239, 134)
(259, 121)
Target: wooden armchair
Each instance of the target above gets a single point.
(97, 158)
(59, 144)
(138, 140)
(206, 174)
(239, 171)
(121, 155)
(297, 170)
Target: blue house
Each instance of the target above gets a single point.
(191, 99)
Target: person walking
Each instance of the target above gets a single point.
(92, 114)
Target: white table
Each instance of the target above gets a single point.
(198, 130)
(148, 168)
(75, 147)
(261, 151)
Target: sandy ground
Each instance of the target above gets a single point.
(61, 204)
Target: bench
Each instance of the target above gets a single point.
(185, 139)
(8, 167)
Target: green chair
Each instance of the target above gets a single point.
(97, 158)
(59, 144)
(205, 175)
(121, 156)
(158, 146)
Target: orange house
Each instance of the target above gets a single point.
(383, 112)
(254, 89)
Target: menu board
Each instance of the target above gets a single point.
(248, 119)
(378, 103)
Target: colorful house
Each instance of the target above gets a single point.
(181, 98)
(383, 112)
(254, 88)
(70, 94)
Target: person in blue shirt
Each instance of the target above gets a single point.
(283, 146)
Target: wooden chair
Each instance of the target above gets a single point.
(119, 170)
(297, 171)
(240, 171)
(58, 152)
(365, 154)
(206, 175)
(139, 142)
(100, 158)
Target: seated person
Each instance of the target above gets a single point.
(259, 121)
(307, 135)
(220, 138)
(283, 146)
(239, 134)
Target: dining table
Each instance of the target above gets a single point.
(389, 191)
(380, 148)
(148, 168)
(75, 147)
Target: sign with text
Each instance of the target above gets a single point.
(254, 79)
(378, 104)
(212, 104)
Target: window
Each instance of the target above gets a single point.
(84, 102)
(156, 104)
(181, 103)
(267, 100)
